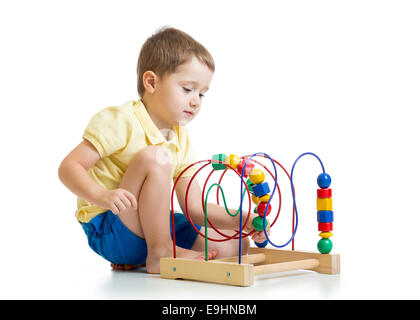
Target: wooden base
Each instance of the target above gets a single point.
(228, 271)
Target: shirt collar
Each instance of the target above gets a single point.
(153, 133)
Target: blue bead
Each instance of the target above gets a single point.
(261, 244)
(324, 180)
(325, 216)
(261, 189)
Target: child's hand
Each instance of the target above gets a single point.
(257, 236)
(117, 200)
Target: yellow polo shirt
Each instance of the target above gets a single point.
(118, 133)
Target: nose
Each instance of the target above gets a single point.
(195, 101)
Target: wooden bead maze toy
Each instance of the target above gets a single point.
(241, 270)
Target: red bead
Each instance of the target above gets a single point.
(324, 193)
(325, 226)
(249, 167)
(261, 208)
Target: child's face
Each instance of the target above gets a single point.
(178, 96)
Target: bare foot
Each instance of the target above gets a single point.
(195, 255)
(125, 267)
(153, 262)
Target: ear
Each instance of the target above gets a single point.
(149, 81)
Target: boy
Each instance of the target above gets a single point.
(122, 170)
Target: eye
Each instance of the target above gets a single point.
(201, 96)
(186, 89)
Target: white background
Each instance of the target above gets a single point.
(338, 78)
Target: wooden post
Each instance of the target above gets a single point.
(210, 271)
(250, 258)
(328, 263)
(228, 271)
(286, 266)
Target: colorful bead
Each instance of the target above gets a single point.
(324, 245)
(324, 180)
(325, 226)
(250, 185)
(248, 169)
(325, 216)
(324, 193)
(324, 204)
(258, 223)
(265, 198)
(257, 176)
(261, 189)
(261, 244)
(261, 208)
(233, 160)
(217, 165)
(325, 235)
(255, 199)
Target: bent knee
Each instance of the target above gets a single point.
(152, 158)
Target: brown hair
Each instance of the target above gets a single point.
(167, 49)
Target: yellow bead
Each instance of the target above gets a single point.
(255, 199)
(233, 160)
(326, 235)
(256, 176)
(324, 204)
(265, 198)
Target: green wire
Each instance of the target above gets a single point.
(226, 208)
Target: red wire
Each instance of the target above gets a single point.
(288, 175)
(172, 203)
(278, 188)
(188, 214)
(203, 204)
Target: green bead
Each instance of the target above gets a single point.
(325, 245)
(219, 157)
(258, 223)
(250, 185)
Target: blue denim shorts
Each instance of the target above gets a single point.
(112, 240)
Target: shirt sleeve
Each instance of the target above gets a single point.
(187, 157)
(107, 131)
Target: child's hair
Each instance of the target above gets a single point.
(167, 49)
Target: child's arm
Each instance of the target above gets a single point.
(216, 213)
(73, 173)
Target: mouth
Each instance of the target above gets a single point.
(189, 112)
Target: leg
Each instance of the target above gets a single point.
(225, 249)
(149, 181)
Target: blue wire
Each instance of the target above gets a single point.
(269, 200)
(240, 205)
(293, 192)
